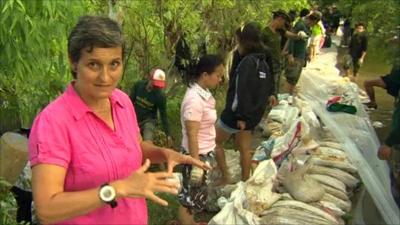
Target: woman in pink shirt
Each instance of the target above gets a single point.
(85, 147)
(198, 116)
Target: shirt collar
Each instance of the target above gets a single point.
(79, 107)
(204, 93)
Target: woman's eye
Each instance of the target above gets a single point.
(94, 65)
(115, 64)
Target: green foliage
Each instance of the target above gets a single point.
(33, 64)
(381, 17)
(160, 214)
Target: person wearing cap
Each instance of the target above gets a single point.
(272, 37)
(148, 98)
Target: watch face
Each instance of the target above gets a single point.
(107, 193)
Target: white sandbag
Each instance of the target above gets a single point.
(344, 205)
(305, 147)
(335, 192)
(333, 162)
(259, 187)
(234, 211)
(282, 215)
(348, 179)
(303, 188)
(306, 207)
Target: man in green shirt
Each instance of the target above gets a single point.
(272, 38)
(298, 50)
(148, 98)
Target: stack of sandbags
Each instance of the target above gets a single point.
(323, 178)
(295, 212)
(13, 155)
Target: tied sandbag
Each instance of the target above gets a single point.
(303, 188)
(297, 205)
(259, 187)
(331, 144)
(335, 192)
(13, 155)
(332, 208)
(282, 215)
(330, 181)
(332, 152)
(349, 180)
(332, 162)
(343, 205)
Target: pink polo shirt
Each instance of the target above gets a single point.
(68, 134)
(199, 105)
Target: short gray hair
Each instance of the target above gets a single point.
(94, 31)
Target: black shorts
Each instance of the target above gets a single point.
(392, 84)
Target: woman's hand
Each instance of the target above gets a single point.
(145, 184)
(273, 101)
(241, 125)
(174, 158)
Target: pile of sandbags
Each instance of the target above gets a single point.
(315, 178)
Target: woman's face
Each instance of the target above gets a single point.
(98, 72)
(213, 79)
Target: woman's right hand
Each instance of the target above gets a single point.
(145, 184)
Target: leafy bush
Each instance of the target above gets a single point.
(7, 204)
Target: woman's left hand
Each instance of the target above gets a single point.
(174, 158)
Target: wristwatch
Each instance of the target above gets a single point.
(108, 194)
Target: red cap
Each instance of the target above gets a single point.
(158, 78)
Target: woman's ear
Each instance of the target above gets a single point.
(204, 74)
(73, 65)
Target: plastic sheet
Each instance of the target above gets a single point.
(320, 81)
